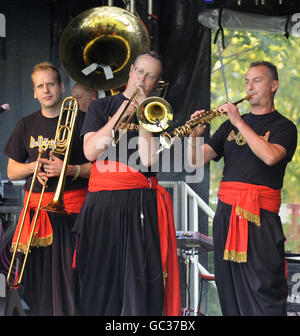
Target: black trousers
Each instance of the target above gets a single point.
(118, 256)
(257, 287)
(51, 285)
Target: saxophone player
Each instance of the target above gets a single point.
(248, 237)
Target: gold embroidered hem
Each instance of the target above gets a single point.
(235, 256)
(248, 215)
(36, 242)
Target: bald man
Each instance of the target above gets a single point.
(84, 96)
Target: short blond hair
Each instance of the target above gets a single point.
(45, 66)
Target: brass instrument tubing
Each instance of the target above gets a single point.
(187, 128)
(56, 205)
(120, 119)
(36, 170)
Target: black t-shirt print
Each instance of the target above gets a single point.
(240, 163)
(36, 131)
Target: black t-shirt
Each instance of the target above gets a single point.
(36, 131)
(240, 163)
(126, 151)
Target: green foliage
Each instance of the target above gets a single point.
(243, 48)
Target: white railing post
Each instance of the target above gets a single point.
(186, 204)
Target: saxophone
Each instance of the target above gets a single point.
(167, 139)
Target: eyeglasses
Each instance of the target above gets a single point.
(141, 72)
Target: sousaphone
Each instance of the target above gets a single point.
(100, 37)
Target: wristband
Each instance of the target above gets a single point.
(78, 169)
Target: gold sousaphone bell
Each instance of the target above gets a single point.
(100, 37)
(114, 37)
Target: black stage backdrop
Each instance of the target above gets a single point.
(33, 30)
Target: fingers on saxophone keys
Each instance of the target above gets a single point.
(222, 110)
(197, 114)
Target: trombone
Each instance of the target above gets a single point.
(16, 283)
(63, 142)
(120, 120)
(154, 114)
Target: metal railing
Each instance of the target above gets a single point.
(186, 206)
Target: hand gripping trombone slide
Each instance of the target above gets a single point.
(167, 139)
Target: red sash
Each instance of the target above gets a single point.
(43, 233)
(118, 176)
(246, 200)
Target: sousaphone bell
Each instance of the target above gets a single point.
(102, 38)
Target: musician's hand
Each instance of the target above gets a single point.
(140, 94)
(131, 108)
(198, 130)
(41, 175)
(233, 113)
(42, 178)
(53, 166)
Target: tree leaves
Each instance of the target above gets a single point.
(243, 48)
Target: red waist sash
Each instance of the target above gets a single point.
(43, 233)
(246, 200)
(118, 176)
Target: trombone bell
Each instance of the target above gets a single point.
(154, 114)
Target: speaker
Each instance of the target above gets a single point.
(293, 280)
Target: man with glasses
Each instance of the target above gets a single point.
(126, 248)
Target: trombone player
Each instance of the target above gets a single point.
(126, 246)
(50, 283)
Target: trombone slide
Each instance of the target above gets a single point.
(18, 281)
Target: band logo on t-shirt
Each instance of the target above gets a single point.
(240, 140)
(42, 143)
(129, 126)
